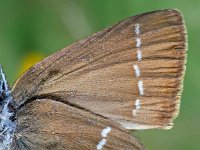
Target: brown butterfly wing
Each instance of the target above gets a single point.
(130, 73)
(48, 125)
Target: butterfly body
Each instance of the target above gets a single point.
(7, 115)
(90, 94)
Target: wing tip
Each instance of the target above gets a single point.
(180, 86)
(183, 28)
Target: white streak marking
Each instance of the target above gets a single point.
(137, 70)
(137, 29)
(105, 131)
(140, 87)
(139, 55)
(101, 144)
(137, 104)
(135, 126)
(137, 107)
(138, 42)
(104, 134)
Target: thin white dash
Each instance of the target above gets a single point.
(104, 134)
(138, 42)
(137, 104)
(101, 144)
(139, 55)
(140, 87)
(105, 131)
(137, 29)
(137, 70)
(137, 107)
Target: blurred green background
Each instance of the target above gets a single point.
(31, 30)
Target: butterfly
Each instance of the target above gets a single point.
(94, 93)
